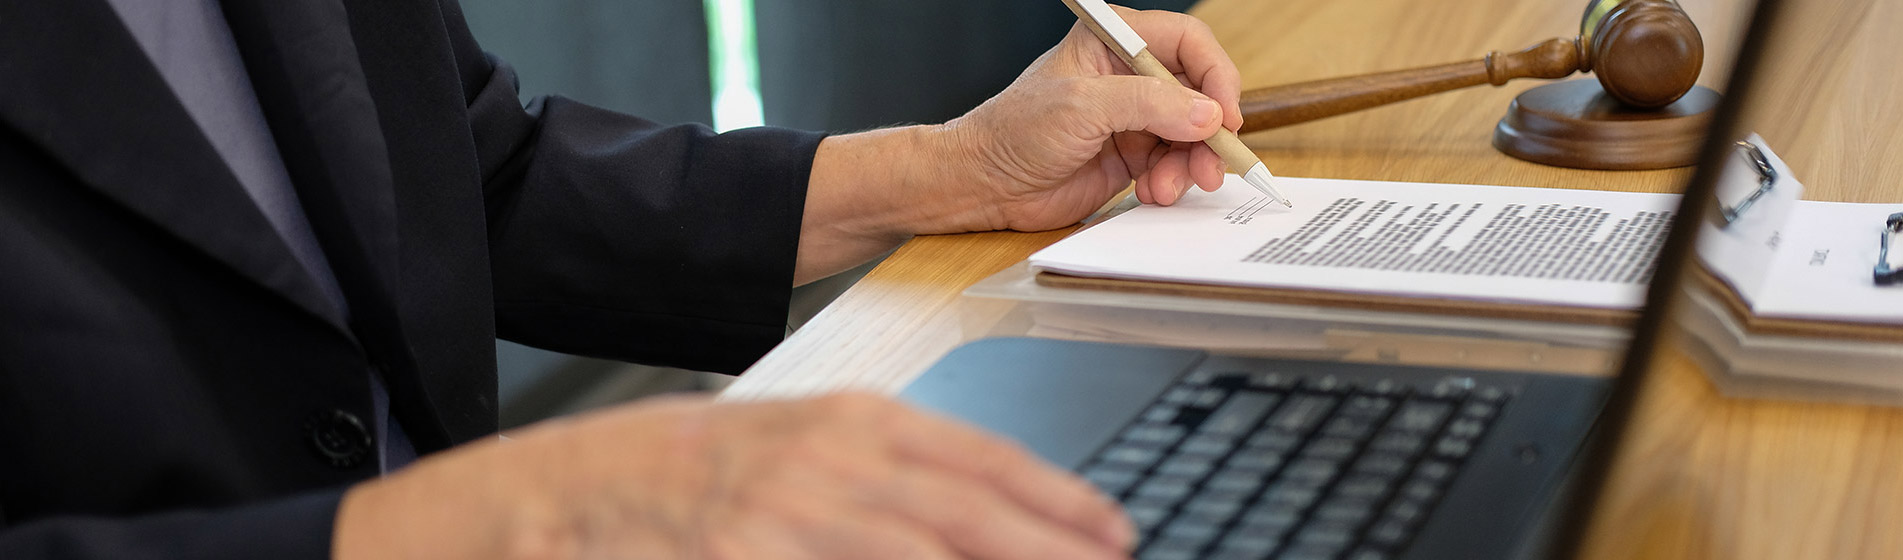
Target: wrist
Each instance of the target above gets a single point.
(903, 181)
(409, 515)
(954, 170)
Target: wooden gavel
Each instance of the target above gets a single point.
(1646, 54)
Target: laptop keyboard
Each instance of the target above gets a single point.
(1272, 465)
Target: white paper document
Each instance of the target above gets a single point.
(1514, 244)
(1799, 259)
(1822, 269)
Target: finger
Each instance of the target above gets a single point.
(1172, 170)
(1206, 167)
(1186, 46)
(1015, 472)
(1154, 105)
(1139, 153)
(975, 520)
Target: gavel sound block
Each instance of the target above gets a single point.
(1645, 111)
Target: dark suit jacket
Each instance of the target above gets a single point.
(173, 384)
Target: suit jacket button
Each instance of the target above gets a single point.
(339, 438)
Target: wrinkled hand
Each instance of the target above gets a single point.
(850, 476)
(1077, 126)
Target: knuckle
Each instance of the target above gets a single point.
(1197, 25)
(1075, 93)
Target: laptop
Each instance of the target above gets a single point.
(1220, 456)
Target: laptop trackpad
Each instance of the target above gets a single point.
(1063, 400)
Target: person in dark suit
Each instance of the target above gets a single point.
(253, 255)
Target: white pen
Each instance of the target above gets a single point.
(1117, 34)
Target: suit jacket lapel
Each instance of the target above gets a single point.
(81, 87)
(305, 66)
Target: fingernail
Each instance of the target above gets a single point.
(1182, 186)
(1202, 111)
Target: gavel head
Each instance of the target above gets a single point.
(1646, 53)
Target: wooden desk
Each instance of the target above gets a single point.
(1702, 476)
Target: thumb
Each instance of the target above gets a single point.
(1161, 107)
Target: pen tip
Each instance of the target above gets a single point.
(1285, 202)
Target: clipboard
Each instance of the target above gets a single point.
(1351, 300)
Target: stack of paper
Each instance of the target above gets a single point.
(1513, 244)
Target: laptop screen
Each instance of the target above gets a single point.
(1778, 249)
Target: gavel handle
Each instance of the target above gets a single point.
(1284, 105)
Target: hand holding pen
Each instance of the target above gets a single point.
(1129, 46)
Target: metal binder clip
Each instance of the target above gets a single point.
(1767, 176)
(1886, 273)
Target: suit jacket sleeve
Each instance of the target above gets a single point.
(293, 528)
(617, 237)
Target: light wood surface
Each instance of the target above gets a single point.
(1702, 476)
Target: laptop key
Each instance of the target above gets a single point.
(1387, 533)
(1112, 479)
(1276, 440)
(1243, 546)
(1257, 460)
(1191, 530)
(1187, 466)
(1420, 491)
(1230, 380)
(1350, 427)
(1170, 549)
(1407, 512)
(1331, 534)
(1405, 444)
(1365, 553)
(1386, 388)
(1420, 416)
(1311, 551)
(1170, 490)
(1310, 472)
(1268, 520)
(1272, 381)
(1467, 428)
(1327, 384)
(1222, 509)
(1240, 414)
(1452, 388)
(1208, 398)
(1363, 487)
(1289, 497)
(1250, 542)
(1146, 517)
(1134, 457)
(1208, 445)
(1435, 471)
(1234, 480)
(1479, 410)
(1335, 449)
(1155, 434)
(1348, 511)
(1302, 413)
(1367, 406)
(1450, 447)
(1385, 465)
